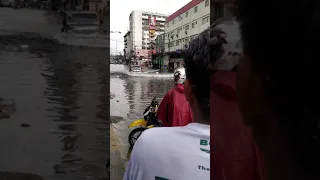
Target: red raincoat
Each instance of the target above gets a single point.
(174, 109)
(235, 155)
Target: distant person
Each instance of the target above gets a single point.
(179, 153)
(174, 109)
(277, 84)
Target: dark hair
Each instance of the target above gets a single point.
(199, 59)
(278, 38)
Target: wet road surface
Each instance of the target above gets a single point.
(132, 93)
(62, 92)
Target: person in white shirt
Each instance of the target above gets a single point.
(180, 153)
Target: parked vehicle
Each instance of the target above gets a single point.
(16, 4)
(136, 69)
(6, 3)
(80, 22)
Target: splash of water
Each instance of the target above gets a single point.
(122, 69)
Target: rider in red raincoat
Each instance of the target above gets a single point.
(234, 153)
(174, 109)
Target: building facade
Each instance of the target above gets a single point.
(127, 45)
(144, 27)
(159, 59)
(183, 26)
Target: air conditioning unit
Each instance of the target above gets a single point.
(186, 32)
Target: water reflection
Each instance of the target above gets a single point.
(79, 88)
(132, 95)
(63, 92)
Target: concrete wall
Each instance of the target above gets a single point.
(200, 20)
(140, 38)
(135, 25)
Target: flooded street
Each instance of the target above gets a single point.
(61, 92)
(132, 94)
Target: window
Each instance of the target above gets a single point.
(186, 27)
(205, 20)
(167, 24)
(178, 31)
(206, 3)
(177, 43)
(195, 9)
(180, 18)
(172, 21)
(187, 14)
(193, 24)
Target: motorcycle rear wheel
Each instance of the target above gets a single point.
(132, 139)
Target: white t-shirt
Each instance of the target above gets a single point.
(171, 153)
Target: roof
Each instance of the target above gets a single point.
(183, 9)
(127, 34)
(190, 5)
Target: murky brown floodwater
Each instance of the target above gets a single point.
(132, 94)
(62, 92)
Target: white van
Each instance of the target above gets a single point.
(6, 3)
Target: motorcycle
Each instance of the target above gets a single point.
(150, 120)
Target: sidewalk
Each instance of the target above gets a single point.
(117, 161)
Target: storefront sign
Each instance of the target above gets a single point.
(175, 60)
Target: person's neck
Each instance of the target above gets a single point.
(198, 117)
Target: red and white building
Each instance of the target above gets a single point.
(183, 26)
(190, 20)
(144, 28)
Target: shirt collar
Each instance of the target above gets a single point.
(202, 128)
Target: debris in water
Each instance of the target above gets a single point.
(112, 95)
(25, 125)
(24, 46)
(117, 100)
(4, 113)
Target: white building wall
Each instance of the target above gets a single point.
(201, 20)
(137, 29)
(137, 32)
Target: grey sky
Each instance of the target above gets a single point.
(121, 9)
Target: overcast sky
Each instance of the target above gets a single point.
(121, 9)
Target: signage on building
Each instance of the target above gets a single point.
(152, 22)
(175, 60)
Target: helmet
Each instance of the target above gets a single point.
(226, 31)
(179, 75)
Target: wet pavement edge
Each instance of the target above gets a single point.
(118, 158)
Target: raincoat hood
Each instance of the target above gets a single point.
(223, 83)
(180, 88)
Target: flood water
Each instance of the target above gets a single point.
(62, 92)
(133, 92)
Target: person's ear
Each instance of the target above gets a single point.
(188, 91)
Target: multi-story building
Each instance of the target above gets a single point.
(144, 27)
(183, 26)
(127, 45)
(159, 59)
